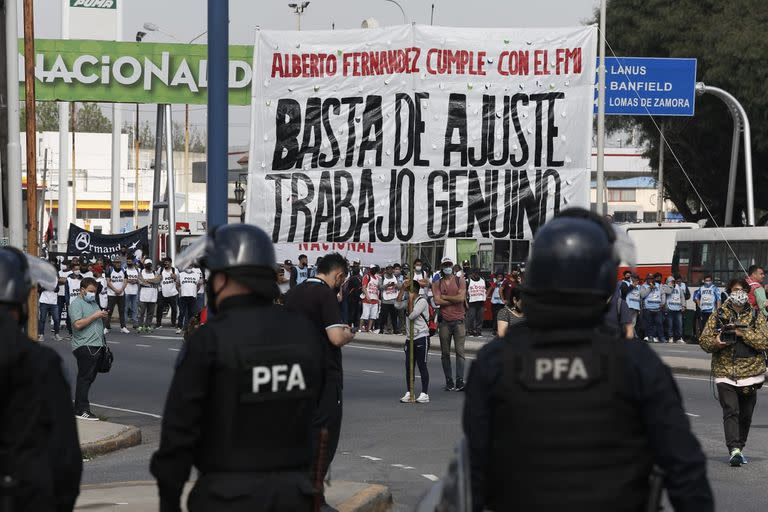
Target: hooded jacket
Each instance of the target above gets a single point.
(725, 363)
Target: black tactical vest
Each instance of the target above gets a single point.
(264, 385)
(565, 433)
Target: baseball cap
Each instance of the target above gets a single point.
(287, 262)
(356, 260)
(446, 259)
(148, 261)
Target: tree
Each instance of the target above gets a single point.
(90, 119)
(46, 114)
(728, 57)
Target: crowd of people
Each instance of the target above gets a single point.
(142, 292)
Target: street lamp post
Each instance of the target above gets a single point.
(405, 19)
(298, 9)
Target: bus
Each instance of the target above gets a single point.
(654, 245)
(704, 251)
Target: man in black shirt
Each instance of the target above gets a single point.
(316, 299)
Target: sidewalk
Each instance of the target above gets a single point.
(142, 496)
(678, 363)
(100, 437)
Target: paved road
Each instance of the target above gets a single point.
(401, 445)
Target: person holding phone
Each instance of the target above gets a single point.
(736, 336)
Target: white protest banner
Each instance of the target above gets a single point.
(417, 133)
(368, 253)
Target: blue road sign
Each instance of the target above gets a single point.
(649, 86)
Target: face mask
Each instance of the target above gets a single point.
(707, 284)
(417, 268)
(83, 269)
(147, 267)
(459, 273)
(739, 298)
(397, 272)
(90, 297)
(448, 271)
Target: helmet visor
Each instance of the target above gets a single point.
(194, 253)
(42, 273)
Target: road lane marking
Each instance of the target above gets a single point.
(399, 351)
(431, 477)
(690, 378)
(156, 337)
(143, 346)
(372, 371)
(151, 415)
(114, 342)
(402, 466)
(175, 349)
(692, 415)
(370, 458)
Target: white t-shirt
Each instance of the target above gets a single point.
(131, 273)
(103, 295)
(62, 288)
(389, 288)
(476, 290)
(189, 281)
(74, 287)
(284, 287)
(49, 297)
(201, 275)
(418, 276)
(168, 284)
(117, 278)
(148, 293)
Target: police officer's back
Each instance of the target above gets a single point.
(243, 396)
(40, 459)
(562, 412)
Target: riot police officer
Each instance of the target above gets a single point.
(246, 385)
(40, 459)
(563, 413)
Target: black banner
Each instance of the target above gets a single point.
(81, 242)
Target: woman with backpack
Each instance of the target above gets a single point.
(418, 315)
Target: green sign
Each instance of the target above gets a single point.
(94, 4)
(123, 72)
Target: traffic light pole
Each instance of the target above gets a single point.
(218, 111)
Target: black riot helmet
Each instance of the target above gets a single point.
(18, 274)
(242, 252)
(572, 268)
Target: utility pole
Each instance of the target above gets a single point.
(15, 202)
(660, 193)
(600, 199)
(136, 177)
(31, 134)
(298, 10)
(73, 121)
(187, 174)
(218, 112)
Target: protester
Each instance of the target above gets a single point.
(511, 314)
(449, 293)
(389, 288)
(497, 301)
(132, 293)
(299, 273)
(116, 294)
(189, 284)
(354, 288)
(148, 282)
(397, 271)
(370, 299)
(169, 294)
(418, 316)
(49, 307)
(284, 277)
(757, 298)
(102, 299)
(87, 343)
(707, 299)
(63, 295)
(634, 303)
(737, 337)
(476, 293)
(653, 302)
(674, 297)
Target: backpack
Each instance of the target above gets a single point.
(431, 319)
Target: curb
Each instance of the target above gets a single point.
(129, 436)
(472, 350)
(375, 498)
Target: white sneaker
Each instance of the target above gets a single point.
(178, 331)
(406, 397)
(647, 339)
(106, 331)
(40, 337)
(57, 337)
(375, 331)
(681, 340)
(125, 330)
(671, 340)
(423, 398)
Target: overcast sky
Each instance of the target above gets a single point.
(185, 19)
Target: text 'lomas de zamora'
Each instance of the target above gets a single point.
(332, 169)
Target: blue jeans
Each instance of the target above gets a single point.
(187, 309)
(653, 325)
(132, 309)
(674, 325)
(45, 310)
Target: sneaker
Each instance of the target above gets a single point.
(375, 331)
(87, 416)
(647, 339)
(670, 340)
(737, 459)
(57, 337)
(178, 330)
(743, 458)
(449, 386)
(681, 340)
(40, 337)
(423, 398)
(406, 397)
(124, 330)
(459, 385)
